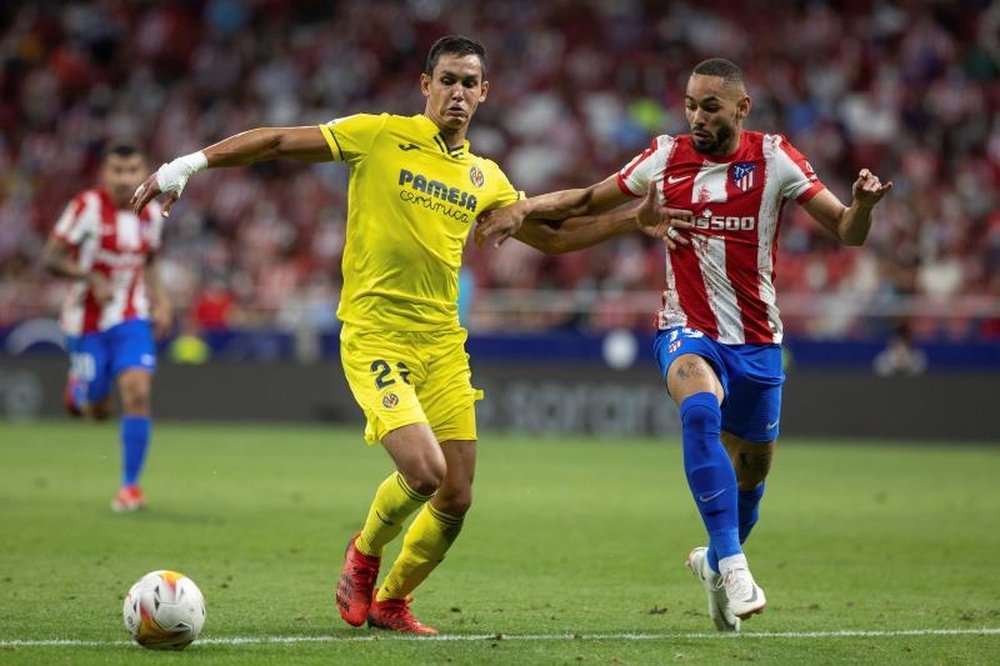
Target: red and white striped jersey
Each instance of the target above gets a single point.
(116, 243)
(723, 282)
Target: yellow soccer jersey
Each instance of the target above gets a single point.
(411, 204)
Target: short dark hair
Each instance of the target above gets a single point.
(455, 45)
(727, 70)
(120, 148)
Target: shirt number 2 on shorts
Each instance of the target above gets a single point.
(383, 373)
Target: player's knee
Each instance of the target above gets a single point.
(691, 375)
(426, 476)
(136, 402)
(456, 503)
(423, 485)
(136, 397)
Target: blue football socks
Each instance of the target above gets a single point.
(135, 431)
(748, 504)
(710, 475)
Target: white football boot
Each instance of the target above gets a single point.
(718, 602)
(746, 597)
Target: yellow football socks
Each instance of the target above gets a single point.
(424, 546)
(394, 502)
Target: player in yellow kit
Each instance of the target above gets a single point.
(415, 192)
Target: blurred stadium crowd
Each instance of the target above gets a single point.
(909, 89)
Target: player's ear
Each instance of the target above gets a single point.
(425, 85)
(485, 89)
(743, 109)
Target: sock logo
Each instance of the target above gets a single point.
(711, 496)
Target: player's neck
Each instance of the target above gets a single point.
(111, 197)
(731, 146)
(454, 138)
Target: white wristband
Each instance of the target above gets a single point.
(173, 176)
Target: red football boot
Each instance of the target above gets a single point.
(129, 498)
(356, 585)
(394, 614)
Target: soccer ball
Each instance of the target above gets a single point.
(164, 610)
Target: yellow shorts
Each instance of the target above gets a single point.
(404, 377)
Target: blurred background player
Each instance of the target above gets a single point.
(415, 191)
(718, 344)
(113, 306)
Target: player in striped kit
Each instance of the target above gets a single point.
(113, 305)
(719, 331)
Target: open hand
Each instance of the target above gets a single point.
(148, 191)
(663, 222)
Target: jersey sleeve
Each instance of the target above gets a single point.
(634, 178)
(798, 179)
(503, 192)
(351, 138)
(75, 221)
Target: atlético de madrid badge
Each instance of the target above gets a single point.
(743, 175)
(477, 176)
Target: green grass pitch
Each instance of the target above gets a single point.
(573, 552)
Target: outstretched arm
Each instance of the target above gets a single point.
(505, 222)
(576, 233)
(305, 144)
(849, 223)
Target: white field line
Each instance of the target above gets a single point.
(263, 640)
